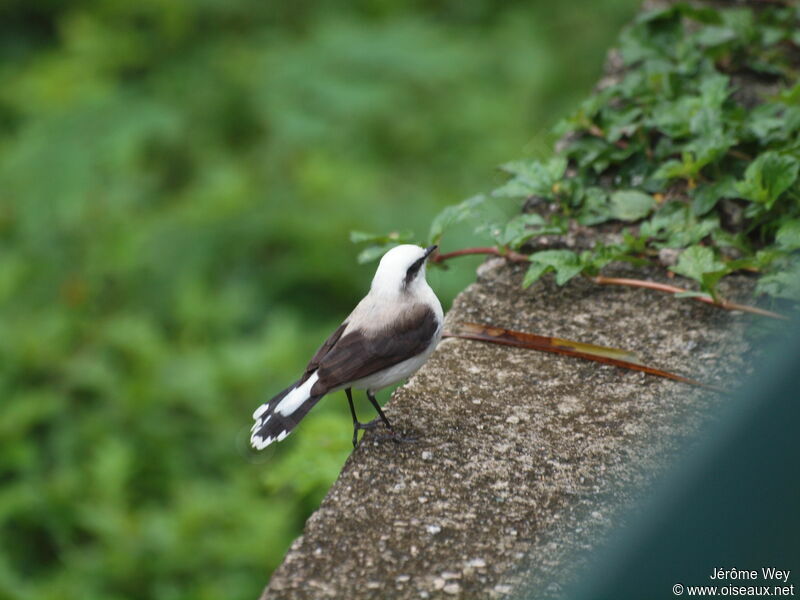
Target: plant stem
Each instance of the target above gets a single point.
(600, 279)
(505, 253)
(671, 289)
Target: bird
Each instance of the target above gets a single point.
(387, 337)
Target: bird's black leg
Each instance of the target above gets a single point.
(356, 424)
(393, 435)
(372, 424)
(353, 414)
(380, 412)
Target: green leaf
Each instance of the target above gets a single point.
(631, 205)
(772, 121)
(715, 36)
(714, 89)
(706, 121)
(360, 237)
(565, 263)
(707, 148)
(771, 35)
(595, 207)
(454, 214)
(532, 178)
(742, 21)
(706, 196)
(691, 231)
(671, 216)
(767, 177)
(670, 169)
(535, 271)
(673, 117)
(788, 236)
(379, 244)
(710, 280)
(696, 261)
(520, 229)
(702, 14)
(371, 253)
(625, 123)
(783, 282)
(700, 264)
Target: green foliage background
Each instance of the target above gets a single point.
(177, 183)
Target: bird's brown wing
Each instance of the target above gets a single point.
(313, 364)
(358, 354)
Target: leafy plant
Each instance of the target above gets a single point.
(175, 184)
(693, 145)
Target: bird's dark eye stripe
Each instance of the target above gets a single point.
(413, 269)
(417, 264)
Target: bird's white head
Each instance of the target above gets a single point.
(401, 270)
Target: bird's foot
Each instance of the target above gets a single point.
(363, 427)
(371, 425)
(390, 435)
(397, 438)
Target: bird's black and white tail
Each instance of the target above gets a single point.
(274, 420)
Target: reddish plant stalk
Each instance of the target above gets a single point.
(517, 257)
(671, 289)
(505, 253)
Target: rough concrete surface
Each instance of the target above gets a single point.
(522, 459)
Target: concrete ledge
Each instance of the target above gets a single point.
(523, 460)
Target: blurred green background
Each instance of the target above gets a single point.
(177, 184)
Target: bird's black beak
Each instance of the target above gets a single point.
(429, 250)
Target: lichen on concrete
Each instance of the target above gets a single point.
(522, 460)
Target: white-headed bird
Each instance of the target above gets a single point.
(386, 339)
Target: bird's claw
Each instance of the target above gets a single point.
(392, 435)
(397, 438)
